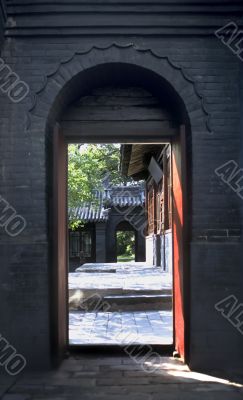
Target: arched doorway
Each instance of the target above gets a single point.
(73, 126)
(126, 242)
(175, 136)
(157, 74)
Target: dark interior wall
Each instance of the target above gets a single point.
(183, 33)
(241, 128)
(241, 164)
(3, 17)
(123, 109)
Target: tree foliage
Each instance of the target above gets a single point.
(125, 243)
(88, 166)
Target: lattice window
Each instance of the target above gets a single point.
(168, 202)
(74, 244)
(151, 210)
(159, 206)
(86, 244)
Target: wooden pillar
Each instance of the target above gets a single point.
(179, 240)
(59, 290)
(100, 242)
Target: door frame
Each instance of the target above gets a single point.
(62, 345)
(59, 236)
(180, 230)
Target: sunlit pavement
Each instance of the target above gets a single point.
(148, 327)
(131, 322)
(122, 378)
(127, 276)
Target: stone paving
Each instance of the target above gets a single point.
(149, 327)
(110, 328)
(128, 276)
(97, 377)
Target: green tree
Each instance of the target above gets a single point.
(88, 165)
(125, 243)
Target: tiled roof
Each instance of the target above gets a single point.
(116, 196)
(90, 213)
(124, 196)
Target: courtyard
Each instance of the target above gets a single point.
(120, 303)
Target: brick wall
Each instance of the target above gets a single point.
(34, 48)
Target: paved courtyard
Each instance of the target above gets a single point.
(121, 328)
(126, 276)
(135, 320)
(97, 377)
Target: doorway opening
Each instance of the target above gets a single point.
(120, 287)
(125, 244)
(151, 113)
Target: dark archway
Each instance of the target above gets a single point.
(130, 234)
(74, 78)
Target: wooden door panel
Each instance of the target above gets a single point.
(60, 274)
(178, 202)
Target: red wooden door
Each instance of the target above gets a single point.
(59, 294)
(179, 232)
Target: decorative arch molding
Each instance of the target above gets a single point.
(44, 100)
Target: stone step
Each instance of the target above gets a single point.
(139, 302)
(96, 271)
(116, 292)
(123, 300)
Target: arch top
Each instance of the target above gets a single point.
(124, 225)
(74, 76)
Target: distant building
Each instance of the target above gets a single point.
(119, 208)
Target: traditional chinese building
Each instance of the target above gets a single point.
(119, 208)
(153, 164)
(160, 72)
